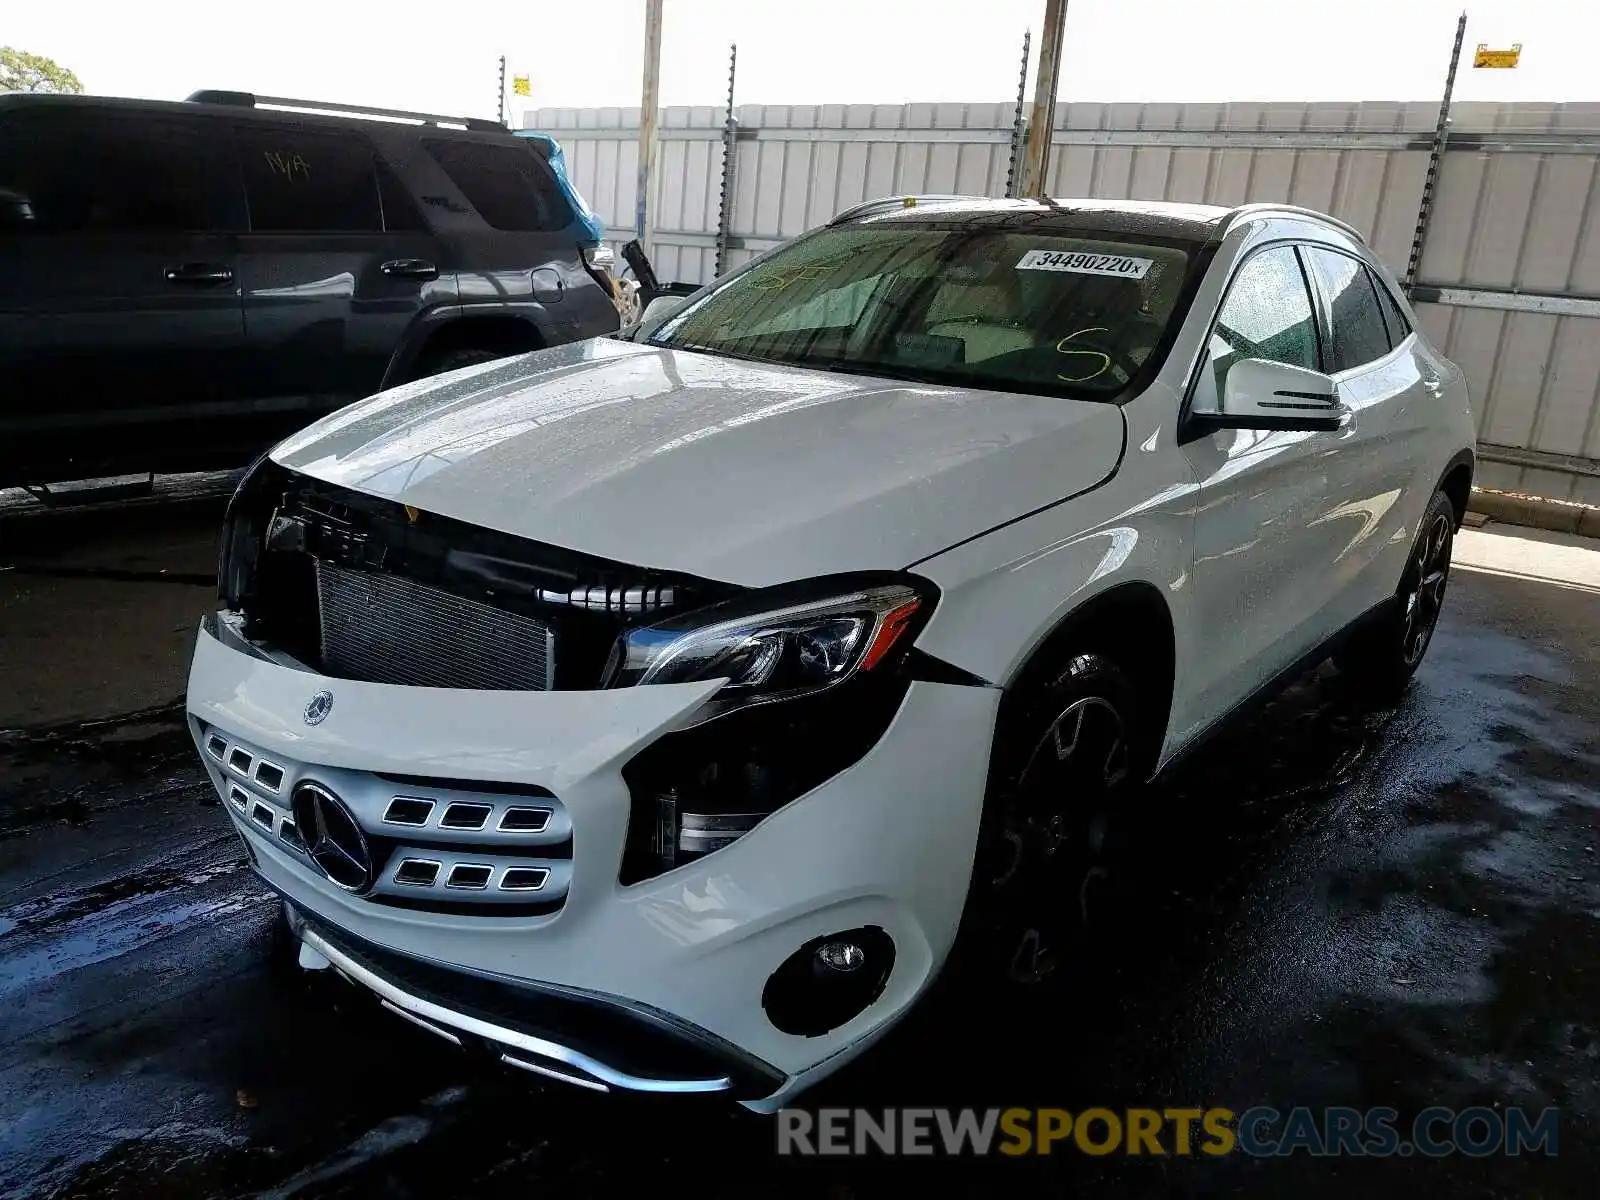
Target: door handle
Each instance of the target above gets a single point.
(200, 274)
(410, 268)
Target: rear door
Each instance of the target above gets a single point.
(121, 328)
(335, 266)
(1388, 480)
(522, 257)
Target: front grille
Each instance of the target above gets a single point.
(386, 629)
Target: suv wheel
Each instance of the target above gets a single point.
(1382, 660)
(454, 360)
(1065, 755)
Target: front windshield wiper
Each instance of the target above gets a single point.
(895, 371)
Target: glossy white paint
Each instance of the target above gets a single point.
(889, 842)
(1264, 544)
(744, 472)
(1020, 508)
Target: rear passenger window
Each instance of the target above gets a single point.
(399, 214)
(104, 174)
(1267, 314)
(309, 181)
(1356, 321)
(1399, 327)
(509, 187)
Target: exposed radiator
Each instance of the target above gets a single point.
(386, 629)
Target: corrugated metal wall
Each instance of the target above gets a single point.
(1510, 275)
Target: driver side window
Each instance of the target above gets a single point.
(1267, 314)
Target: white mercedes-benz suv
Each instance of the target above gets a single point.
(655, 711)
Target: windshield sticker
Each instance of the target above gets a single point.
(1119, 265)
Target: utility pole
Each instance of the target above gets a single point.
(1441, 135)
(649, 104)
(502, 89)
(1041, 125)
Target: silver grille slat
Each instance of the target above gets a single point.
(386, 629)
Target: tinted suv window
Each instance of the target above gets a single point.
(88, 173)
(1355, 319)
(309, 181)
(510, 189)
(1267, 315)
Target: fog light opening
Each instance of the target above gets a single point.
(829, 981)
(842, 956)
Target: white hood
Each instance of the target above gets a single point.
(744, 472)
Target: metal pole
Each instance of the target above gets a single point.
(502, 89)
(725, 202)
(1441, 135)
(649, 103)
(1017, 122)
(1041, 125)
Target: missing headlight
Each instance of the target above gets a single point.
(701, 789)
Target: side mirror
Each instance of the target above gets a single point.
(662, 307)
(1258, 394)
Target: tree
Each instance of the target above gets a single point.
(24, 72)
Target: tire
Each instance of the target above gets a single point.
(1066, 762)
(454, 360)
(1381, 661)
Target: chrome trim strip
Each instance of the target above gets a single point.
(418, 862)
(426, 817)
(507, 1037)
(576, 1080)
(255, 775)
(418, 1021)
(486, 868)
(505, 816)
(542, 873)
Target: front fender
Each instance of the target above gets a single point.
(1002, 595)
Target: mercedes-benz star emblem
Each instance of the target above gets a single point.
(332, 837)
(318, 708)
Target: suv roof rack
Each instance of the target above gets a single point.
(1262, 208)
(250, 100)
(890, 203)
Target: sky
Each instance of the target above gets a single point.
(580, 53)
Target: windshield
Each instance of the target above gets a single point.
(1076, 313)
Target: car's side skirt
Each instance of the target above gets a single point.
(1256, 701)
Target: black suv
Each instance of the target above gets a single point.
(182, 284)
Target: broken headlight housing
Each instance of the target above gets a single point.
(815, 673)
(771, 646)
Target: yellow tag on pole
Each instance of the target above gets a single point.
(1485, 57)
(521, 85)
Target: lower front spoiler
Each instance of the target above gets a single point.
(577, 1038)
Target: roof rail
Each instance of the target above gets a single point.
(1245, 211)
(890, 203)
(250, 100)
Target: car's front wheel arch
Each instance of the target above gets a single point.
(1129, 624)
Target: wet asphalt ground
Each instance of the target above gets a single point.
(1331, 906)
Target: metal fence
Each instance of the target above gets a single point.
(1509, 283)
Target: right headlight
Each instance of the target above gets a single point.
(768, 650)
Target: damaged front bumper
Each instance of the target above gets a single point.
(665, 984)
